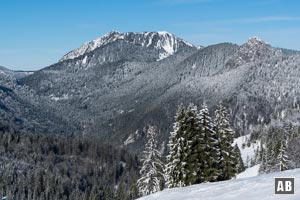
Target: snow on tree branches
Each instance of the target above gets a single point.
(225, 134)
(199, 149)
(152, 168)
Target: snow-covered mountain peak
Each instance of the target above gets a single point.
(92, 45)
(254, 50)
(255, 41)
(164, 33)
(166, 43)
(255, 47)
(114, 32)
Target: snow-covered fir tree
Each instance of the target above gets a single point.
(211, 158)
(268, 163)
(226, 136)
(176, 169)
(152, 166)
(264, 168)
(195, 148)
(199, 150)
(239, 167)
(279, 148)
(288, 130)
(282, 157)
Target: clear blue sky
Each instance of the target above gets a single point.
(37, 33)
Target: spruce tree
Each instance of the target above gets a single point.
(173, 161)
(152, 167)
(288, 130)
(195, 147)
(226, 136)
(239, 167)
(176, 169)
(264, 157)
(210, 158)
(282, 158)
(269, 159)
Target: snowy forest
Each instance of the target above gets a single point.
(114, 120)
(51, 167)
(202, 149)
(279, 148)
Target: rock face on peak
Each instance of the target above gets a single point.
(255, 40)
(92, 45)
(114, 86)
(255, 44)
(254, 50)
(165, 43)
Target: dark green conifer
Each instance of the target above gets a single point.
(226, 136)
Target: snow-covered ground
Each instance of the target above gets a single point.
(249, 172)
(253, 188)
(247, 153)
(247, 185)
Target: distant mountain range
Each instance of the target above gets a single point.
(115, 85)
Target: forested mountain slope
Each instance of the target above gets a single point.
(115, 85)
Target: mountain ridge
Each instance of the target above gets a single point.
(115, 90)
(161, 40)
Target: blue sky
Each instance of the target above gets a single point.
(37, 33)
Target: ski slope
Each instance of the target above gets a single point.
(253, 188)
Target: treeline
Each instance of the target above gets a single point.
(46, 167)
(279, 149)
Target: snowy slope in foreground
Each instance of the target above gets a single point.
(254, 188)
(249, 172)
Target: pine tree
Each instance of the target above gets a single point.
(282, 158)
(195, 147)
(264, 158)
(176, 169)
(268, 162)
(288, 130)
(239, 167)
(152, 167)
(226, 136)
(211, 146)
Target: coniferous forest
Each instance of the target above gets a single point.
(201, 149)
(44, 166)
(39, 166)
